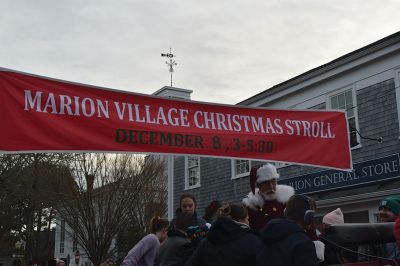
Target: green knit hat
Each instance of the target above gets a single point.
(392, 203)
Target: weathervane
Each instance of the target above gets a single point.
(171, 62)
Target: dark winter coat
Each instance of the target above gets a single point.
(174, 251)
(285, 244)
(227, 243)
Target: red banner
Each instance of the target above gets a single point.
(40, 114)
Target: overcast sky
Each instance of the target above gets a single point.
(226, 51)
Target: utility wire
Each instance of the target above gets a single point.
(379, 139)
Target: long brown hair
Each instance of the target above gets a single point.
(187, 195)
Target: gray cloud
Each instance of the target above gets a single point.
(226, 50)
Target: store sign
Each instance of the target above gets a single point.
(46, 115)
(365, 172)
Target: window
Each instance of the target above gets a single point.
(345, 101)
(74, 242)
(240, 168)
(62, 236)
(192, 172)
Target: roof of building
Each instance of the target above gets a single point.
(171, 89)
(373, 47)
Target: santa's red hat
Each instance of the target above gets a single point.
(262, 173)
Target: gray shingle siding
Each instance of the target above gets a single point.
(377, 117)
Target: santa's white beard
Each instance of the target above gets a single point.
(270, 195)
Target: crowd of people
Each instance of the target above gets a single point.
(271, 226)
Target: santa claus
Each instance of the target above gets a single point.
(267, 199)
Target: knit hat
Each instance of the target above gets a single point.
(334, 217)
(259, 174)
(392, 203)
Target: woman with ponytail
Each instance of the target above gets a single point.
(144, 252)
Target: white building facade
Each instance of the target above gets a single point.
(66, 245)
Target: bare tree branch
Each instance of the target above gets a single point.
(98, 194)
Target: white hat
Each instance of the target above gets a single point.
(266, 172)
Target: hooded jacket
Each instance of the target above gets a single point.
(227, 243)
(174, 251)
(285, 244)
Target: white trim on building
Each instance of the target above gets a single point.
(240, 168)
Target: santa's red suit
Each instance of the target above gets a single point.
(263, 208)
